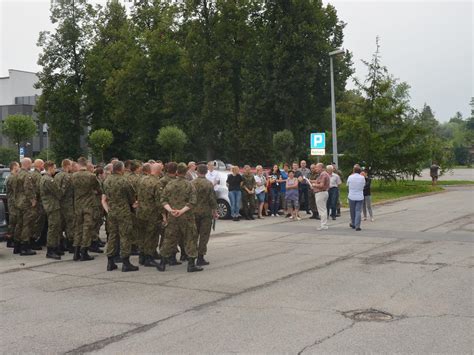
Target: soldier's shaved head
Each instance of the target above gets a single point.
(146, 168)
(118, 167)
(171, 167)
(155, 169)
(49, 165)
(26, 163)
(39, 164)
(202, 169)
(181, 169)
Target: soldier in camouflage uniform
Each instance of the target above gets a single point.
(86, 187)
(119, 201)
(178, 199)
(50, 197)
(248, 186)
(204, 211)
(25, 204)
(99, 212)
(171, 166)
(63, 180)
(40, 213)
(133, 178)
(12, 211)
(149, 213)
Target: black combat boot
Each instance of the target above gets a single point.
(134, 250)
(141, 258)
(10, 243)
(77, 254)
(117, 259)
(95, 247)
(126, 266)
(183, 256)
(59, 251)
(338, 212)
(110, 264)
(16, 248)
(85, 255)
(35, 245)
(156, 255)
(26, 250)
(173, 261)
(162, 265)
(149, 261)
(201, 261)
(51, 254)
(192, 267)
(69, 247)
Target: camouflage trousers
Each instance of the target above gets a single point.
(67, 222)
(149, 236)
(54, 229)
(12, 222)
(248, 203)
(181, 228)
(26, 224)
(120, 231)
(312, 202)
(203, 226)
(40, 220)
(85, 225)
(99, 220)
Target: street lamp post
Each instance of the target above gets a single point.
(333, 107)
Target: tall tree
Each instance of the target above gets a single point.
(62, 76)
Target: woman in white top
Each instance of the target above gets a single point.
(260, 189)
(355, 184)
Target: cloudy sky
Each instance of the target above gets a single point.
(428, 44)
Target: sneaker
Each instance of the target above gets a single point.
(322, 228)
(298, 218)
(358, 229)
(291, 217)
(372, 220)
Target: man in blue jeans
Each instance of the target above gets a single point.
(355, 184)
(334, 182)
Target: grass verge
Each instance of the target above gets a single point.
(383, 191)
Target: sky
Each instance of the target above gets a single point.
(428, 44)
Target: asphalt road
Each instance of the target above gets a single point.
(402, 285)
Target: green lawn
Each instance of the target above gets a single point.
(388, 191)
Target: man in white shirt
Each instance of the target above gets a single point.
(334, 182)
(355, 184)
(212, 175)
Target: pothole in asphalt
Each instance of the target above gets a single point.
(369, 315)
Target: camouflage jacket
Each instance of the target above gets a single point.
(64, 182)
(149, 197)
(10, 185)
(85, 187)
(179, 193)
(205, 197)
(134, 179)
(120, 195)
(36, 178)
(165, 180)
(50, 194)
(24, 190)
(248, 181)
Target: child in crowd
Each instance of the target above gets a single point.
(291, 196)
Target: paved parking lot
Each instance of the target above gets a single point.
(402, 285)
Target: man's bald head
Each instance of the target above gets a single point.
(26, 163)
(319, 167)
(155, 169)
(39, 164)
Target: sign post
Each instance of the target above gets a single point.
(22, 152)
(318, 143)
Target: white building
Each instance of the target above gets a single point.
(17, 84)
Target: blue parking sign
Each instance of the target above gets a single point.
(318, 141)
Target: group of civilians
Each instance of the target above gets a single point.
(314, 190)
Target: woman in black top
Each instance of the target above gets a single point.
(234, 181)
(275, 187)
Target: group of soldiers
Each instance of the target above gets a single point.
(146, 207)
